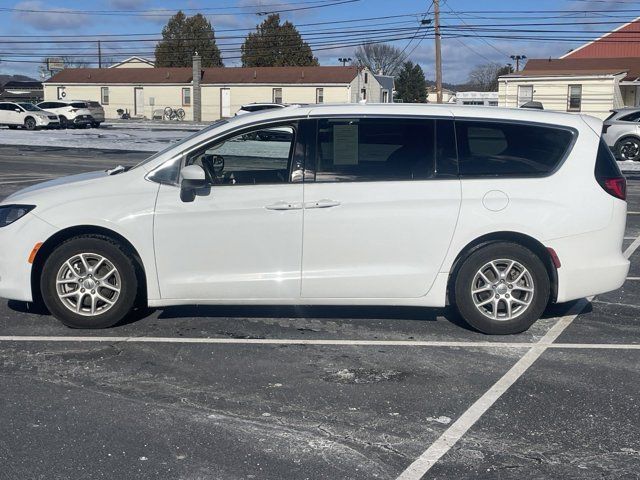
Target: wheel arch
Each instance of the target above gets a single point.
(506, 236)
(65, 234)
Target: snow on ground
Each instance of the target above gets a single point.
(111, 138)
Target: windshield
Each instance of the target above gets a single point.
(181, 142)
(29, 107)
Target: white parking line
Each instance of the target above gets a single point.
(338, 343)
(451, 435)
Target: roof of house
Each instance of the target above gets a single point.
(580, 66)
(222, 75)
(385, 81)
(23, 85)
(620, 42)
(133, 59)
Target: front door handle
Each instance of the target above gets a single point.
(324, 203)
(284, 206)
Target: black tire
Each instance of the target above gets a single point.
(628, 148)
(64, 123)
(30, 123)
(463, 298)
(95, 124)
(114, 253)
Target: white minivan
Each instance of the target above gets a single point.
(496, 211)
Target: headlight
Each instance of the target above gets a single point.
(11, 213)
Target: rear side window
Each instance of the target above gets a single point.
(606, 165)
(375, 149)
(632, 117)
(94, 104)
(79, 105)
(510, 149)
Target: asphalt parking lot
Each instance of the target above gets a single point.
(317, 393)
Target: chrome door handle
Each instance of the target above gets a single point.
(284, 206)
(324, 203)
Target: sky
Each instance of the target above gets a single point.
(476, 32)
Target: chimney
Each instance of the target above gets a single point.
(197, 92)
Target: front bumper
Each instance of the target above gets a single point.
(16, 243)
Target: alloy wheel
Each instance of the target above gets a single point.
(502, 289)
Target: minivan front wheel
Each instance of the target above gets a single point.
(89, 282)
(501, 288)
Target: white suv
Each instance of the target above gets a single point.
(27, 116)
(73, 113)
(498, 211)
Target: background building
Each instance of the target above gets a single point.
(143, 91)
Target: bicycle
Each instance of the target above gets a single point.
(171, 114)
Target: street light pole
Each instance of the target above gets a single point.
(517, 59)
(344, 60)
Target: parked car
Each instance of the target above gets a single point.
(75, 113)
(27, 116)
(258, 107)
(499, 211)
(621, 132)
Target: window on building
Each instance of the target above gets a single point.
(525, 94)
(385, 96)
(104, 95)
(368, 150)
(363, 94)
(319, 95)
(186, 97)
(509, 149)
(255, 157)
(574, 98)
(277, 95)
(366, 77)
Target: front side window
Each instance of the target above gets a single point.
(186, 97)
(510, 149)
(29, 107)
(104, 95)
(255, 157)
(367, 150)
(574, 101)
(525, 94)
(277, 95)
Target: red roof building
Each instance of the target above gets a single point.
(624, 41)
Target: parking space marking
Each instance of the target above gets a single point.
(451, 435)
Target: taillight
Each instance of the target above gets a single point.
(616, 187)
(605, 127)
(608, 174)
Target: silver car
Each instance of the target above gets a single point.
(621, 132)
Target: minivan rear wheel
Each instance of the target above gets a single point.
(89, 282)
(501, 288)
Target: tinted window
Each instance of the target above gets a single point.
(493, 148)
(632, 117)
(606, 165)
(366, 150)
(29, 107)
(95, 104)
(3, 107)
(79, 105)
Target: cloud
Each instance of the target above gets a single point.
(43, 16)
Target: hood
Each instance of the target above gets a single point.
(26, 193)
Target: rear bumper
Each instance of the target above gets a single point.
(592, 263)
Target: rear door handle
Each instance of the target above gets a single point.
(284, 206)
(324, 203)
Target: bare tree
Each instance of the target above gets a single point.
(75, 62)
(485, 77)
(380, 58)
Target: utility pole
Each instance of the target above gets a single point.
(99, 55)
(436, 14)
(517, 58)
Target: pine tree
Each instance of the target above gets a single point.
(275, 45)
(183, 36)
(411, 85)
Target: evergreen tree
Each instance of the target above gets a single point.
(183, 36)
(275, 45)
(411, 85)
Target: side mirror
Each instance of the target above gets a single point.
(193, 178)
(18, 110)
